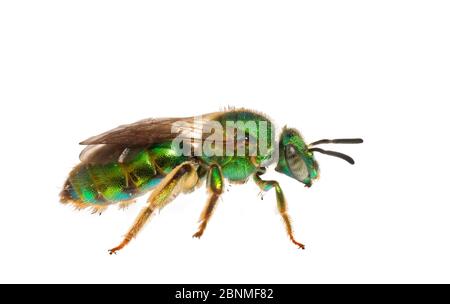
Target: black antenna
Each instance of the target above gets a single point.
(338, 141)
(335, 154)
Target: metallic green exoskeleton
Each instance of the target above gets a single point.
(170, 156)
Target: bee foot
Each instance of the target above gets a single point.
(300, 245)
(114, 250)
(198, 235)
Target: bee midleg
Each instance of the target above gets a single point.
(266, 185)
(214, 183)
(182, 179)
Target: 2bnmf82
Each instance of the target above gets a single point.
(127, 162)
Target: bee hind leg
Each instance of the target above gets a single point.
(281, 204)
(181, 180)
(214, 182)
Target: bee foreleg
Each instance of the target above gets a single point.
(214, 183)
(281, 203)
(182, 179)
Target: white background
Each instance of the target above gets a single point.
(375, 69)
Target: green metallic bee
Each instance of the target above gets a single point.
(170, 156)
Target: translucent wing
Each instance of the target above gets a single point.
(144, 132)
(121, 143)
(105, 154)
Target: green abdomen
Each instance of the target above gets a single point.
(102, 184)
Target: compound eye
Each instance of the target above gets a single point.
(290, 152)
(296, 164)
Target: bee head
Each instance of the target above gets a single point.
(296, 158)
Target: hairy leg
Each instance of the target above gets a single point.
(182, 179)
(281, 203)
(214, 183)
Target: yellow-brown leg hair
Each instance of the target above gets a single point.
(182, 179)
(125, 204)
(214, 183)
(281, 203)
